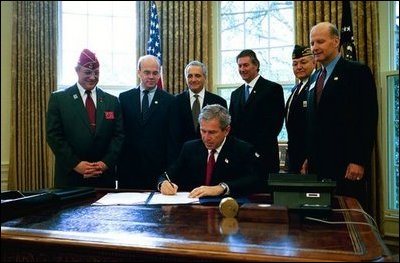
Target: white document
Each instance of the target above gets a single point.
(156, 198)
(122, 199)
(178, 198)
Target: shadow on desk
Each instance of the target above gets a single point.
(83, 232)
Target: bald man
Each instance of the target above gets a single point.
(147, 113)
(342, 123)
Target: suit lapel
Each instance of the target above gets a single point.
(100, 108)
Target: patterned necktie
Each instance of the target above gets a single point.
(320, 85)
(196, 111)
(91, 110)
(246, 92)
(210, 166)
(145, 105)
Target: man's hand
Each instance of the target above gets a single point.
(88, 169)
(168, 188)
(354, 172)
(203, 190)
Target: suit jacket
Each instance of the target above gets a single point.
(296, 127)
(238, 165)
(70, 138)
(184, 114)
(342, 128)
(260, 119)
(148, 144)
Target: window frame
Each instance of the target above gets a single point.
(390, 217)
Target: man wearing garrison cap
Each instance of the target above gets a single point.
(84, 129)
(303, 65)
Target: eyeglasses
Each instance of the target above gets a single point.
(91, 72)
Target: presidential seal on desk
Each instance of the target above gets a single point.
(228, 207)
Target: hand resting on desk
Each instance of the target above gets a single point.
(169, 188)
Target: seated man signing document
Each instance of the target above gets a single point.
(217, 164)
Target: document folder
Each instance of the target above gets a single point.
(304, 192)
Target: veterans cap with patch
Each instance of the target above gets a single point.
(88, 59)
(300, 51)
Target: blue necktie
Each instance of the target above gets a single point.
(246, 92)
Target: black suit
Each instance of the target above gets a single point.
(69, 136)
(184, 114)
(148, 144)
(237, 165)
(296, 127)
(342, 128)
(260, 119)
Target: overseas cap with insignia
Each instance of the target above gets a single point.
(300, 51)
(88, 59)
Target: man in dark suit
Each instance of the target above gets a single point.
(303, 64)
(257, 109)
(149, 140)
(196, 76)
(86, 146)
(342, 121)
(232, 165)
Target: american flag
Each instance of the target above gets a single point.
(346, 34)
(154, 43)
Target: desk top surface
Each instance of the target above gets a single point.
(201, 232)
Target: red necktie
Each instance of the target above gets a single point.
(91, 110)
(210, 166)
(320, 85)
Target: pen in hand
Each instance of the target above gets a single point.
(169, 180)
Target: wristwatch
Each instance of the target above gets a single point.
(225, 187)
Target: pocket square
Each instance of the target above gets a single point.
(109, 115)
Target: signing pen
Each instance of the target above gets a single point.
(169, 180)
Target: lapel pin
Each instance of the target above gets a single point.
(226, 160)
(335, 78)
(256, 154)
(156, 102)
(75, 96)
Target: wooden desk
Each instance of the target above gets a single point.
(185, 233)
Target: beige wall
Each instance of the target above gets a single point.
(6, 26)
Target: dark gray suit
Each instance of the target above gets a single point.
(342, 129)
(70, 138)
(184, 114)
